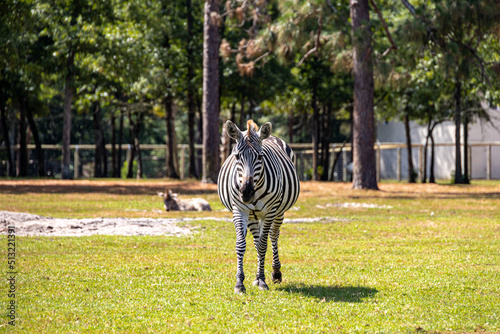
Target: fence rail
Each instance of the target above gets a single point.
(391, 159)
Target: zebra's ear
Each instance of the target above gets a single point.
(265, 131)
(232, 130)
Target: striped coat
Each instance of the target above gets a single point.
(258, 183)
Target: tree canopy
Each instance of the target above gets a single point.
(84, 71)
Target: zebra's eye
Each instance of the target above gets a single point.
(259, 157)
(237, 156)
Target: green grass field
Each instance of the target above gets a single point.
(424, 258)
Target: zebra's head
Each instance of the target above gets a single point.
(249, 154)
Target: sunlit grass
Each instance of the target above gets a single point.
(425, 260)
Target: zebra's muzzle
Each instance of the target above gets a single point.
(247, 191)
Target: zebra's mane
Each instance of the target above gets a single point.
(252, 126)
(251, 137)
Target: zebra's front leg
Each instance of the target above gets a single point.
(260, 279)
(240, 221)
(275, 233)
(255, 228)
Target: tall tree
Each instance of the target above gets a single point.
(22, 157)
(36, 138)
(211, 42)
(5, 130)
(190, 89)
(364, 173)
(16, 37)
(100, 157)
(172, 168)
(68, 99)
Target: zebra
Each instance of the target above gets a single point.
(258, 183)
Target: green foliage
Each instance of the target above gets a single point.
(130, 55)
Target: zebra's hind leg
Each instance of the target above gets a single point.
(274, 235)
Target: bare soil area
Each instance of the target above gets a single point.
(28, 224)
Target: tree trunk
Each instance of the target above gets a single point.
(424, 171)
(411, 170)
(11, 170)
(68, 96)
(100, 169)
(199, 137)
(193, 172)
(315, 131)
(120, 142)
(432, 179)
(337, 156)
(325, 143)
(211, 41)
(140, 170)
(190, 93)
(466, 178)
(250, 109)
(172, 163)
(233, 112)
(130, 157)
(458, 122)
(364, 170)
(22, 167)
(113, 145)
(242, 111)
(38, 145)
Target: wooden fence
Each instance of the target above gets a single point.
(303, 154)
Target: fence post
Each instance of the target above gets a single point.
(399, 165)
(488, 162)
(76, 167)
(183, 151)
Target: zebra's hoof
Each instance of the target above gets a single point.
(261, 284)
(277, 278)
(240, 289)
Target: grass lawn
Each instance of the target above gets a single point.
(408, 258)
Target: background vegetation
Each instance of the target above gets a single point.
(131, 71)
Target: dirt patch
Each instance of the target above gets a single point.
(33, 225)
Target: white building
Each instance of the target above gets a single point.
(481, 135)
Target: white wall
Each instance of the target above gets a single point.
(479, 132)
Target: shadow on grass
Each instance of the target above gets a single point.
(347, 294)
(114, 186)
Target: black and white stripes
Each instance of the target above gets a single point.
(258, 183)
